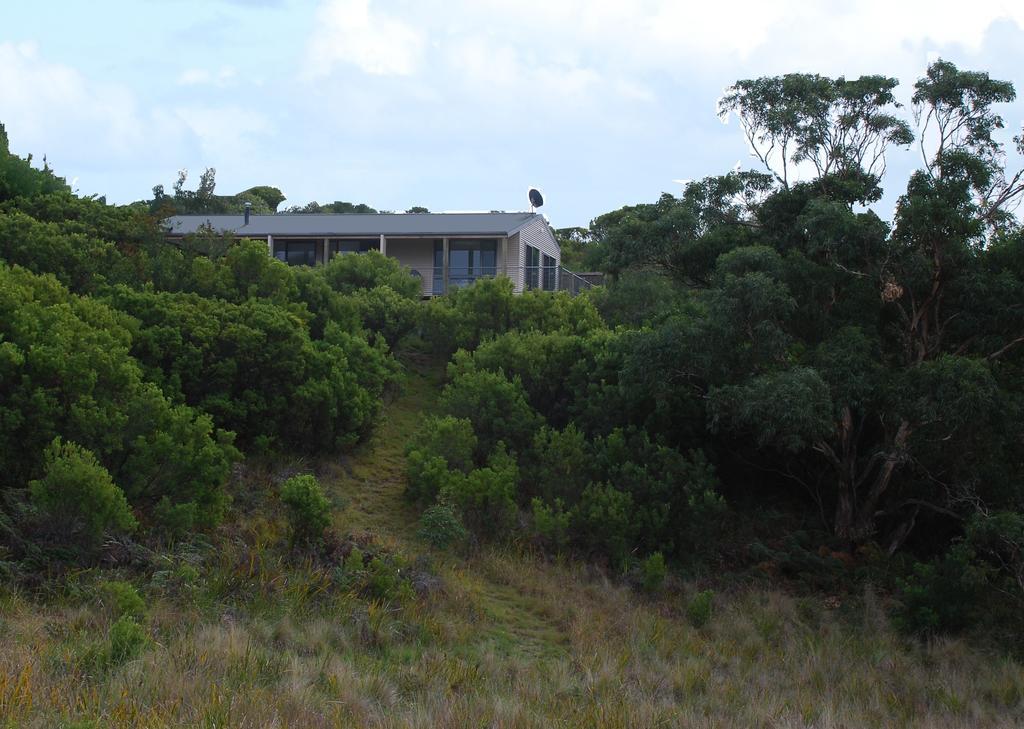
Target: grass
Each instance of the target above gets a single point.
(241, 633)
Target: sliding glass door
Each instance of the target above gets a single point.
(468, 260)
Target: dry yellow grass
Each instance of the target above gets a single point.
(256, 640)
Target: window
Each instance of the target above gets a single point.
(468, 260)
(353, 245)
(298, 252)
(550, 273)
(532, 274)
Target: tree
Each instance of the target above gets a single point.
(837, 126)
(957, 124)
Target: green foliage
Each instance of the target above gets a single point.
(262, 198)
(386, 312)
(441, 527)
(309, 511)
(603, 521)
(468, 316)
(941, 596)
(427, 475)
(449, 437)
(253, 367)
(376, 577)
(440, 446)
(653, 572)
(485, 497)
(551, 524)
(558, 465)
(838, 126)
(495, 406)
(78, 496)
(698, 609)
(122, 599)
(175, 520)
(127, 639)
(636, 298)
(65, 371)
(788, 410)
(370, 270)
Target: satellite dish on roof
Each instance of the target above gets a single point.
(536, 199)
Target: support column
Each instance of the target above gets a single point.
(444, 259)
(326, 251)
(270, 245)
(383, 245)
(504, 256)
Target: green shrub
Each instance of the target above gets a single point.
(550, 524)
(441, 527)
(495, 406)
(602, 521)
(67, 373)
(175, 520)
(942, 596)
(309, 511)
(384, 581)
(486, 496)
(653, 572)
(559, 464)
(451, 439)
(254, 368)
(122, 599)
(426, 477)
(348, 273)
(78, 495)
(387, 313)
(126, 640)
(698, 609)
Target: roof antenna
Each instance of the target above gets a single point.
(248, 209)
(536, 199)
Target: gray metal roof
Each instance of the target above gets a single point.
(356, 224)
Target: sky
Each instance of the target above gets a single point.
(455, 105)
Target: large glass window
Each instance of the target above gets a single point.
(532, 273)
(550, 273)
(353, 245)
(298, 252)
(468, 260)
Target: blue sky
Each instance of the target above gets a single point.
(459, 105)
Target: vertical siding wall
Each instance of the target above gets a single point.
(538, 234)
(418, 255)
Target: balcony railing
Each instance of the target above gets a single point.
(524, 278)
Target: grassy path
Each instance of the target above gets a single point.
(371, 482)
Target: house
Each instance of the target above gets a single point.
(445, 250)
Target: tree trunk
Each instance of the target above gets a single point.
(855, 515)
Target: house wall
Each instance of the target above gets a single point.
(417, 254)
(537, 234)
(515, 262)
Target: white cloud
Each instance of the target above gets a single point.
(225, 132)
(203, 76)
(47, 106)
(347, 31)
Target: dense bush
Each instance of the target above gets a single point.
(698, 609)
(441, 526)
(941, 596)
(66, 371)
(466, 317)
(78, 496)
(309, 511)
(350, 273)
(486, 496)
(253, 367)
(495, 406)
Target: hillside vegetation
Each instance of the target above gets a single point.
(769, 475)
